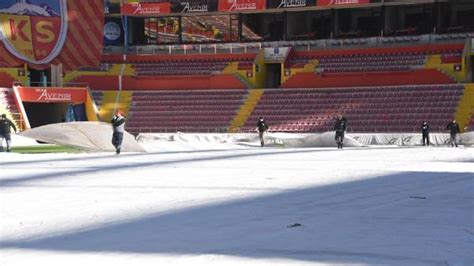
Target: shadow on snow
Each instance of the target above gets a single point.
(406, 218)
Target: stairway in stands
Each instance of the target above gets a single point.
(8, 107)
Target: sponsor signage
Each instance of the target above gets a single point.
(145, 8)
(53, 95)
(275, 54)
(341, 2)
(113, 31)
(241, 5)
(194, 6)
(290, 3)
(34, 30)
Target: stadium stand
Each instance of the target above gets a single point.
(372, 67)
(151, 72)
(410, 55)
(184, 110)
(98, 97)
(186, 66)
(369, 109)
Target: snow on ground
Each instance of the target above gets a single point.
(205, 201)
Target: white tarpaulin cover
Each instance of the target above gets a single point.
(96, 136)
(91, 136)
(295, 140)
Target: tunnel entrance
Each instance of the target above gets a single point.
(50, 105)
(41, 114)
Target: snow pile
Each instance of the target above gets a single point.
(467, 138)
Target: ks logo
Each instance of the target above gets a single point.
(33, 30)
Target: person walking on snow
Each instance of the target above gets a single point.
(340, 128)
(261, 128)
(5, 132)
(425, 132)
(453, 128)
(118, 124)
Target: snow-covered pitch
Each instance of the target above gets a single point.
(209, 202)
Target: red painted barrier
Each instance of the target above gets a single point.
(163, 82)
(6, 80)
(431, 48)
(417, 77)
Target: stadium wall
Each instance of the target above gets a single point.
(119, 58)
(224, 81)
(416, 77)
(434, 48)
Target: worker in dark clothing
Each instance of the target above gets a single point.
(425, 132)
(261, 128)
(453, 128)
(340, 128)
(118, 124)
(5, 132)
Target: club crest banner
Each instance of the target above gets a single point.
(33, 31)
(39, 32)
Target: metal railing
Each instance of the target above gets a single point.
(303, 45)
(50, 84)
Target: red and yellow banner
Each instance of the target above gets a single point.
(145, 8)
(53, 95)
(71, 35)
(241, 5)
(32, 37)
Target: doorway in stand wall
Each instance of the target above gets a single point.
(273, 75)
(39, 78)
(470, 66)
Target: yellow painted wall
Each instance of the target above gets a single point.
(246, 109)
(233, 69)
(310, 67)
(91, 109)
(110, 103)
(466, 107)
(260, 76)
(13, 72)
(434, 62)
(113, 71)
